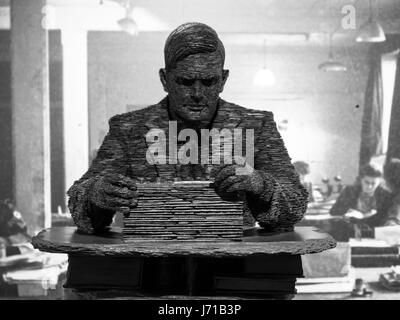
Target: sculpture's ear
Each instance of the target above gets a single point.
(225, 75)
(163, 79)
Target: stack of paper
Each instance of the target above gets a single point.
(187, 210)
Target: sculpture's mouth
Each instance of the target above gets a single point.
(196, 107)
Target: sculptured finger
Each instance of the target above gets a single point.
(125, 211)
(122, 192)
(133, 203)
(229, 196)
(236, 187)
(116, 202)
(121, 180)
(225, 173)
(226, 183)
(217, 168)
(128, 182)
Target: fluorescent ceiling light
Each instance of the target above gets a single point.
(371, 31)
(331, 64)
(264, 78)
(129, 25)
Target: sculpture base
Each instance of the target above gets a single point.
(261, 277)
(182, 268)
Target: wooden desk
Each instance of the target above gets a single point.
(104, 249)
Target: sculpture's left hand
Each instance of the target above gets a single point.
(230, 185)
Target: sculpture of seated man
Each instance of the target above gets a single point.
(193, 78)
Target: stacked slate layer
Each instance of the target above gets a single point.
(187, 210)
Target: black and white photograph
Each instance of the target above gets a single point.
(216, 152)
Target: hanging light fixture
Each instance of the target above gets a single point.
(264, 77)
(331, 64)
(128, 24)
(371, 31)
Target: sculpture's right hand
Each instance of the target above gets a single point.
(113, 192)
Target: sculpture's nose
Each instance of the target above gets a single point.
(197, 91)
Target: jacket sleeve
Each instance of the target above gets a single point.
(111, 158)
(284, 200)
(343, 202)
(393, 216)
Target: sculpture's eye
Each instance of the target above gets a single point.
(208, 82)
(184, 81)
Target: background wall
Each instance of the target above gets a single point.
(324, 124)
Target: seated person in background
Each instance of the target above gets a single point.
(303, 169)
(13, 229)
(364, 204)
(193, 78)
(392, 179)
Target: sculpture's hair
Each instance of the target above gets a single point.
(188, 39)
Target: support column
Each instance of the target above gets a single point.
(75, 96)
(30, 113)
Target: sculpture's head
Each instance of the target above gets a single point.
(193, 75)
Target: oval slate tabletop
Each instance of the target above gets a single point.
(303, 240)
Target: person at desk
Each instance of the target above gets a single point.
(193, 79)
(13, 229)
(362, 206)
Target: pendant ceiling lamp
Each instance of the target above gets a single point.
(371, 31)
(332, 65)
(128, 24)
(264, 76)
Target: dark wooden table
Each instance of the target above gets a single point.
(100, 259)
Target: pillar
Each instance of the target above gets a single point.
(30, 113)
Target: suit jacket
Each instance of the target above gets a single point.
(393, 214)
(282, 204)
(348, 199)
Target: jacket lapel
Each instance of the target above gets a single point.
(226, 116)
(159, 120)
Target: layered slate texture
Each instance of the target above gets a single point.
(185, 210)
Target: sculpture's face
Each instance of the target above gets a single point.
(194, 86)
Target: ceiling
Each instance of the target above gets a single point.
(255, 16)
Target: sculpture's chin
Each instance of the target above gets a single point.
(196, 115)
